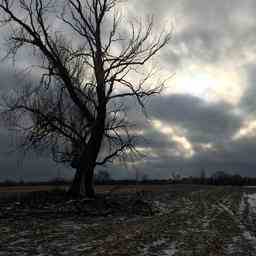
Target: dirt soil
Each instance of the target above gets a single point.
(172, 220)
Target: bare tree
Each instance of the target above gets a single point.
(87, 67)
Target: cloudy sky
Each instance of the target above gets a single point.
(206, 117)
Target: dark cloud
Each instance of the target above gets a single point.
(15, 165)
(203, 122)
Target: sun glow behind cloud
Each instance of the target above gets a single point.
(248, 130)
(184, 147)
(211, 83)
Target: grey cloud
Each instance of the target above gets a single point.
(209, 31)
(204, 122)
(15, 168)
(247, 102)
(15, 165)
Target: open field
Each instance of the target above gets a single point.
(16, 192)
(182, 220)
(104, 188)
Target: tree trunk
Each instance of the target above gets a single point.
(89, 182)
(83, 184)
(77, 188)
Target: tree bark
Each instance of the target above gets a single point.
(77, 188)
(83, 183)
(89, 182)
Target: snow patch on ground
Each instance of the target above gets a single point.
(247, 231)
(147, 248)
(162, 208)
(171, 250)
(251, 198)
(226, 209)
(248, 236)
(242, 204)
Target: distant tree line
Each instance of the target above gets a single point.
(218, 178)
(103, 177)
